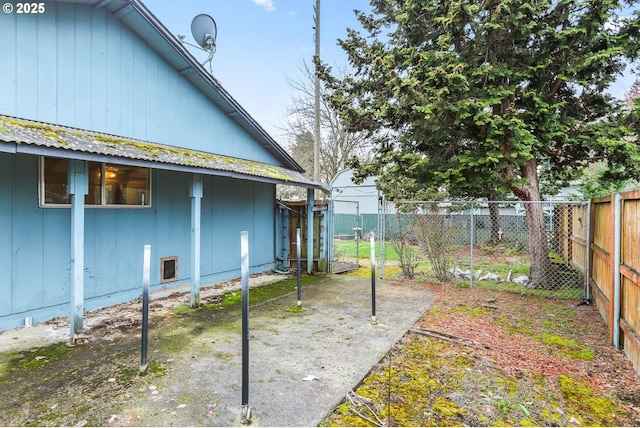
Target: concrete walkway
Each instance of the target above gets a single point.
(333, 343)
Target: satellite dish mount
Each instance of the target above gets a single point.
(204, 31)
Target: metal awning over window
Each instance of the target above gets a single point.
(38, 138)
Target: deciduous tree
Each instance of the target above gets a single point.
(337, 145)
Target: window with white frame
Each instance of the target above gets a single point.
(110, 185)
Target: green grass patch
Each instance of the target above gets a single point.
(344, 248)
(473, 312)
(261, 293)
(567, 348)
(599, 410)
(39, 357)
(503, 269)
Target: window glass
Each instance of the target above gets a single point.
(120, 185)
(126, 185)
(55, 182)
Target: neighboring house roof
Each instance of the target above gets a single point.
(135, 15)
(38, 138)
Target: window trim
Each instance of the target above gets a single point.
(103, 204)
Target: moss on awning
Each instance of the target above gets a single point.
(124, 150)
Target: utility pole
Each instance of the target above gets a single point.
(316, 141)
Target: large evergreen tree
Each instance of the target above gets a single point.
(462, 92)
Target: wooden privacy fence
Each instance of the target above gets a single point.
(614, 280)
(571, 225)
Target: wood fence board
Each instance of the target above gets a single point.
(603, 229)
(631, 345)
(633, 194)
(630, 303)
(602, 241)
(630, 255)
(601, 303)
(601, 275)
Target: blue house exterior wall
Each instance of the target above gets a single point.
(79, 66)
(36, 247)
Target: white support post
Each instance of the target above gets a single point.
(310, 202)
(77, 187)
(196, 212)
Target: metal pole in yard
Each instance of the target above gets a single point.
(146, 269)
(617, 239)
(471, 238)
(299, 270)
(358, 229)
(244, 271)
(587, 261)
(373, 278)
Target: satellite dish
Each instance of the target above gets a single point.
(205, 32)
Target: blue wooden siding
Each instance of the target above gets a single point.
(230, 206)
(7, 173)
(76, 65)
(35, 244)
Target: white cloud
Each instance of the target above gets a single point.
(267, 4)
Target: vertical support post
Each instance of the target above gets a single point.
(78, 183)
(310, 235)
(617, 239)
(587, 262)
(471, 239)
(382, 220)
(373, 278)
(358, 229)
(324, 238)
(330, 237)
(284, 238)
(244, 271)
(146, 273)
(299, 270)
(196, 212)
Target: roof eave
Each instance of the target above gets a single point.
(44, 139)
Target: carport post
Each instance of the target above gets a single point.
(310, 235)
(146, 269)
(244, 271)
(373, 278)
(299, 274)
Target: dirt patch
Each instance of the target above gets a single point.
(483, 357)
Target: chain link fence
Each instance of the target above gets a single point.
(532, 248)
(347, 236)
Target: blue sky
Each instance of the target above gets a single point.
(263, 43)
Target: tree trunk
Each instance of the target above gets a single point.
(538, 246)
(496, 224)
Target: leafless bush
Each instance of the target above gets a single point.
(434, 240)
(402, 243)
